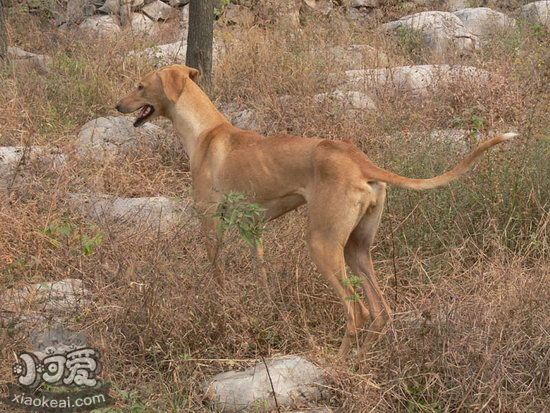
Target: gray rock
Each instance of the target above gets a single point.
(43, 301)
(141, 24)
(320, 7)
(357, 56)
(413, 80)
(164, 54)
(178, 3)
(17, 162)
(440, 31)
(110, 7)
(147, 214)
(537, 13)
(364, 3)
(243, 118)
(158, 10)
(102, 26)
(106, 138)
(78, 10)
(21, 57)
(349, 100)
(55, 338)
(484, 22)
(295, 380)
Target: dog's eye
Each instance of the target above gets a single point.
(140, 87)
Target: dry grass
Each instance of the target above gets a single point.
(465, 268)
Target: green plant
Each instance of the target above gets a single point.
(235, 212)
(89, 244)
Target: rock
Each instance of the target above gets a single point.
(153, 213)
(357, 56)
(356, 4)
(247, 119)
(454, 5)
(484, 22)
(319, 7)
(55, 338)
(113, 6)
(22, 58)
(178, 3)
(238, 15)
(351, 100)
(184, 22)
(78, 10)
(440, 31)
(141, 24)
(165, 54)
(17, 162)
(413, 80)
(295, 381)
(43, 301)
(103, 26)
(105, 138)
(158, 10)
(537, 12)
(110, 7)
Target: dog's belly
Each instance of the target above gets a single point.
(280, 206)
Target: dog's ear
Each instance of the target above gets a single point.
(194, 75)
(173, 81)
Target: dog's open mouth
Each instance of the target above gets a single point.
(145, 112)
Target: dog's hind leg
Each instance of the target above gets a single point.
(330, 225)
(359, 258)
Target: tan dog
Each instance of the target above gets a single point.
(344, 191)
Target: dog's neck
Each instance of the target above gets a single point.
(193, 115)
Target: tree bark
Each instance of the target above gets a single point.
(3, 33)
(200, 38)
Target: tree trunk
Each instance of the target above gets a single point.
(3, 33)
(200, 38)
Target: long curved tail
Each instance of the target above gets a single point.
(375, 173)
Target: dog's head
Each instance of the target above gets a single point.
(157, 92)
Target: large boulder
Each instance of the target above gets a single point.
(149, 214)
(439, 31)
(295, 381)
(111, 136)
(102, 26)
(484, 22)
(537, 12)
(415, 81)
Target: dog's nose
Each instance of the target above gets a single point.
(118, 107)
